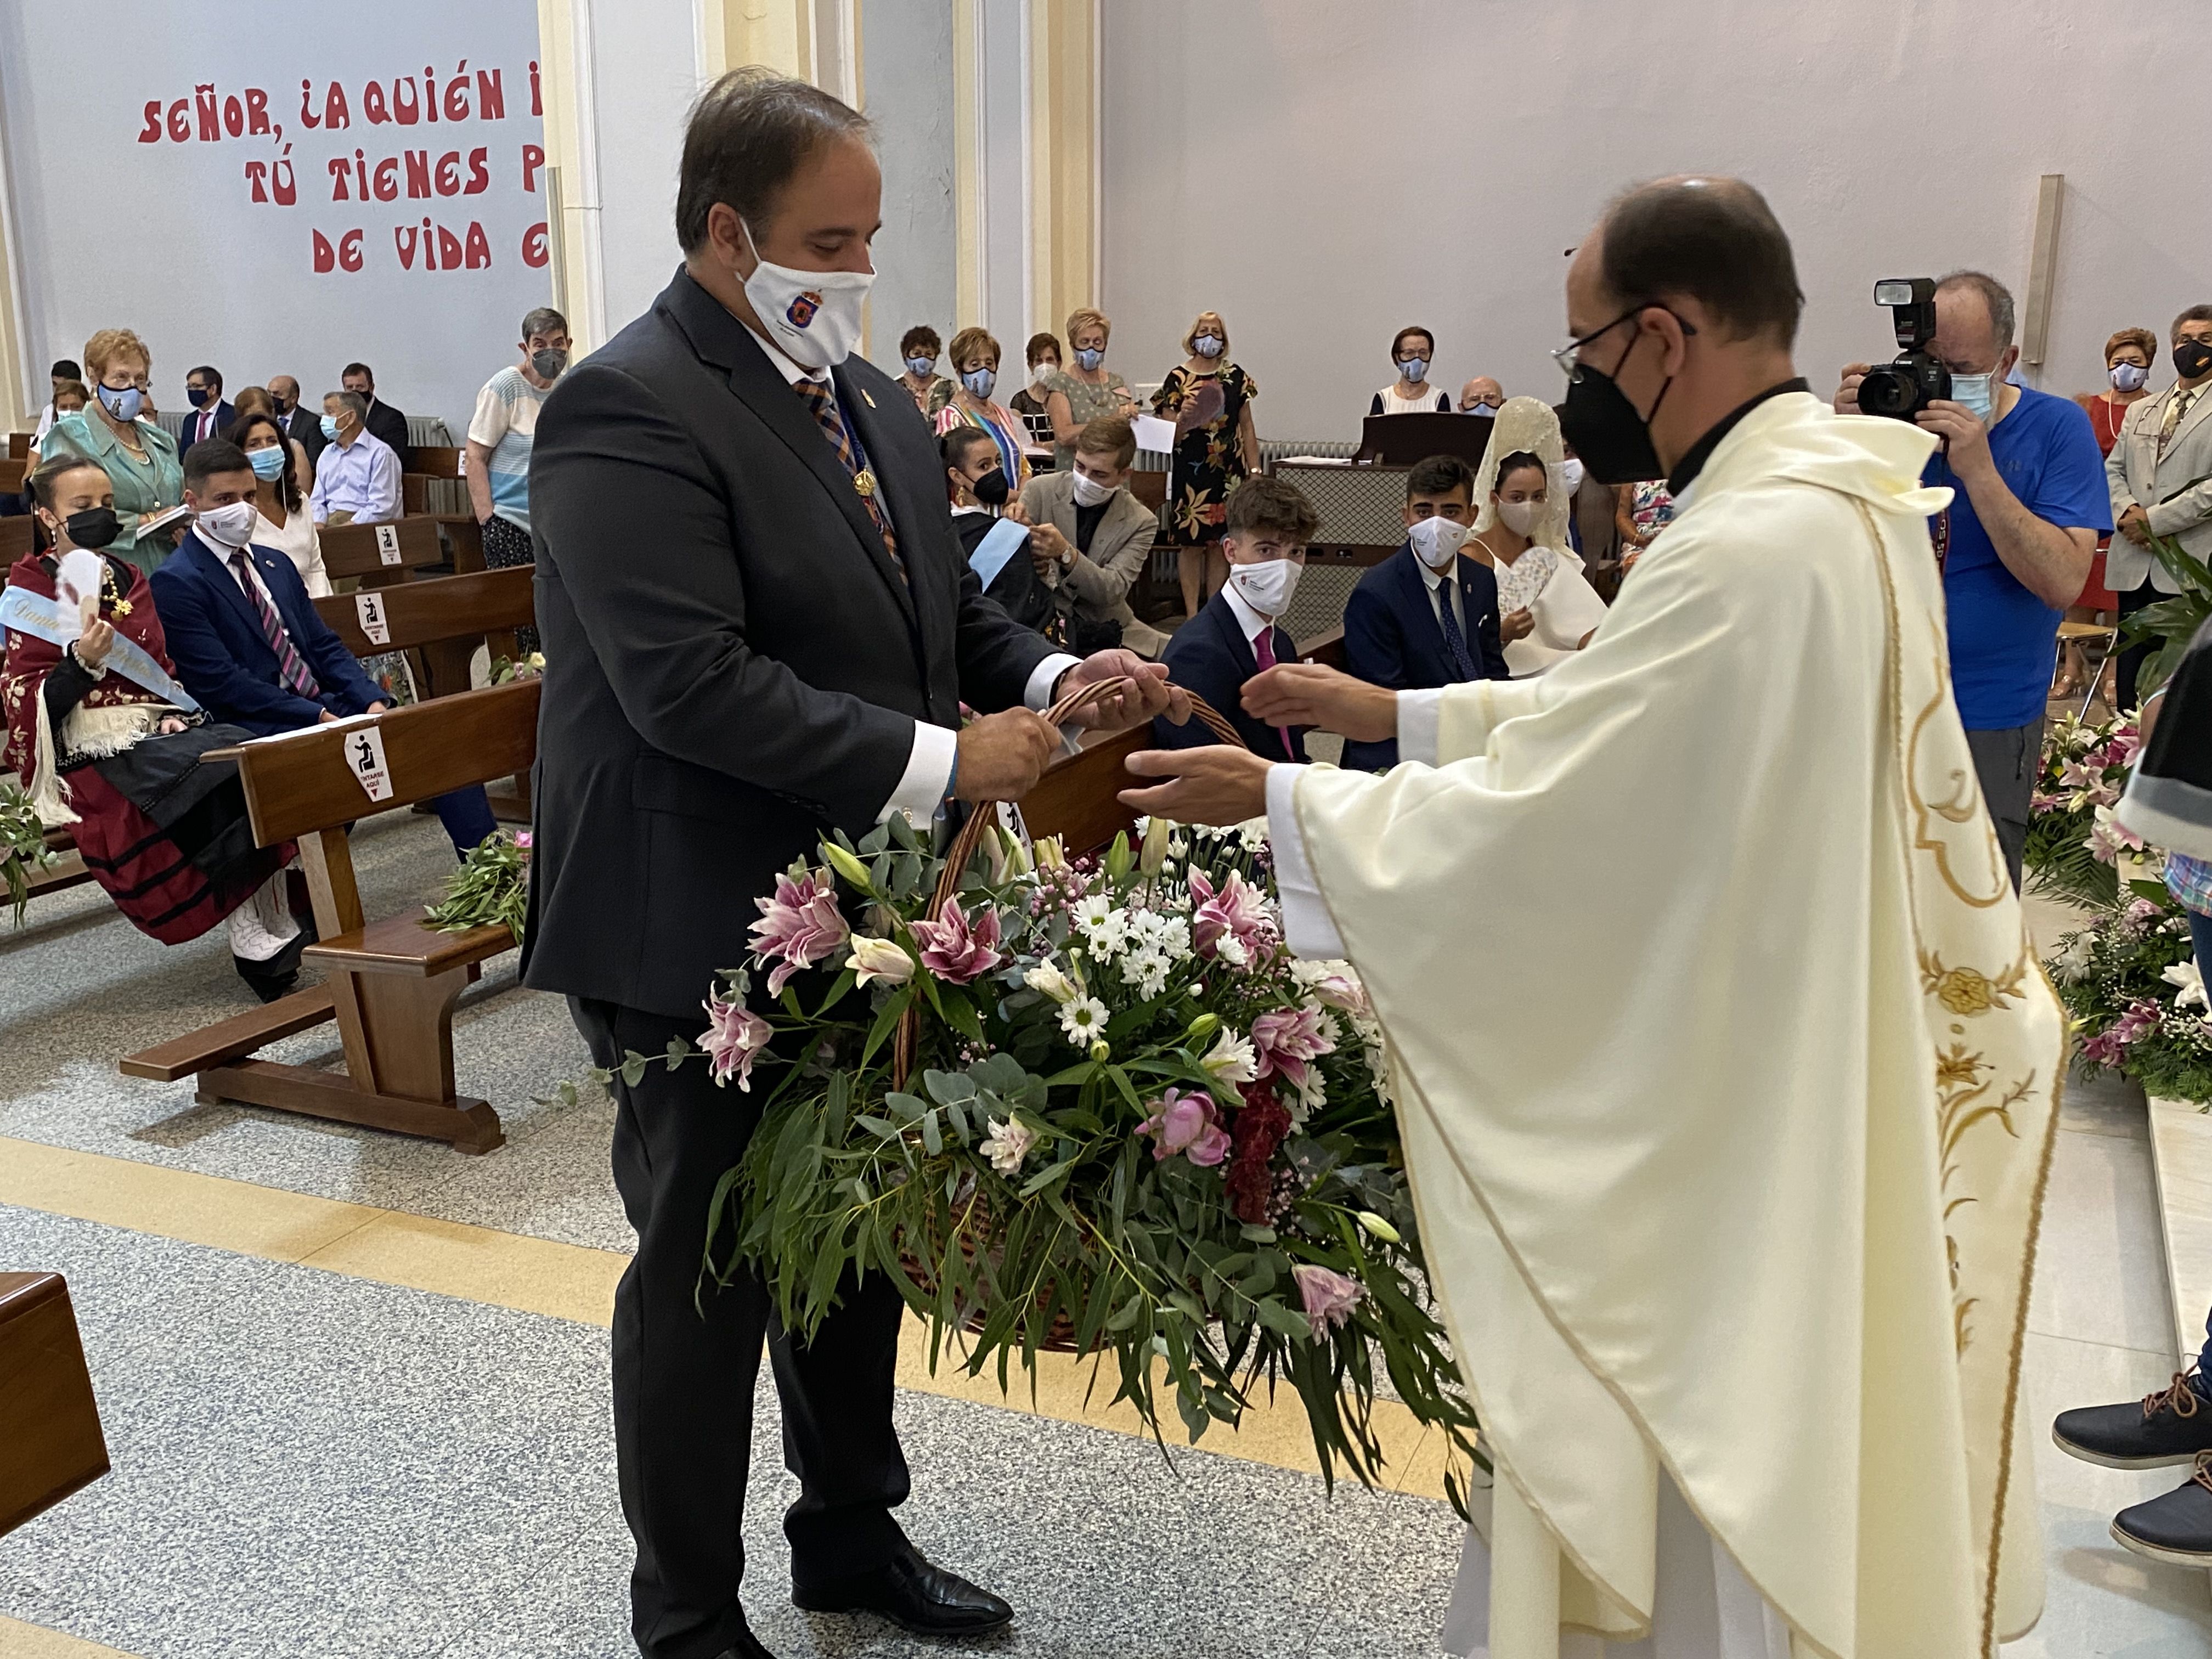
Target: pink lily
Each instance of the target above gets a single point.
(957, 950)
(799, 927)
(1186, 1123)
(735, 1038)
(1329, 1296)
(1287, 1040)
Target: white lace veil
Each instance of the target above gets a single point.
(1527, 423)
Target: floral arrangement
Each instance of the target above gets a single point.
(2131, 981)
(506, 669)
(23, 851)
(490, 889)
(2072, 837)
(1092, 1105)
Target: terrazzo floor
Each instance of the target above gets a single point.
(311, 1462)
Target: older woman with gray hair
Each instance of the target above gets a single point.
(357, 477)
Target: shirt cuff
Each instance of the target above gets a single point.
(928, 775)
(1044, 676)
(1420, 715)
(1307, 929)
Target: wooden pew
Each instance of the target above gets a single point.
(379, 554)
(13, 471)
(433, 485)
(392, 983)
(15, 539)
(50, 1442)
(444, 618)
(19, 445)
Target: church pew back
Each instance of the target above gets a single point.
(13, 471)
(15, 539)
(381, 553)
(436, 608)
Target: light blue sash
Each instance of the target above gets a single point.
(1003, 541)
(42, 618)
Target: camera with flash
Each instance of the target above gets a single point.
(1902, 389)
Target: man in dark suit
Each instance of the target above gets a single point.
(304, 426)
(211, 411)
(1235, 635)
(1426, 615)
(383, 421)
(244, 636)
(758, 627)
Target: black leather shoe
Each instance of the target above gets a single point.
(911, 1593)
(2176, 1528)
(748, 1647)
(2168, 1427)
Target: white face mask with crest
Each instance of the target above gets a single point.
(814, 315)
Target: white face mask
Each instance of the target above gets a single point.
(1267, 586)
(227, 526)
(814, 315)
(1414, 369)
(1038, 371)
(1518, 516)
(1207, 345)
(1089, 492)
(2128, 377)
(1436, 540)
(1571, 470)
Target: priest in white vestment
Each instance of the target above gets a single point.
(1734, 1255)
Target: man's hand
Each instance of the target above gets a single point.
(1151, 695)
(1047, 548)
(325, 717)
(1965, 440)
(1847, 394)
(1003, 755)
(1217, 784)
(2135, 524)
(1014, 509)
(1308, 694)
(1515, 625)
(375, 708)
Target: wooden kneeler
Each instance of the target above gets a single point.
(392, 983)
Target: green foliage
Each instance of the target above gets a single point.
(1017, 1189)
(2170, 624)
(2112, 974)
(22, 846)
(490, 889)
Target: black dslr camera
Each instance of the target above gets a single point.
(1902, 389)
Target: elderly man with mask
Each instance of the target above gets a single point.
(1481, 396)
(357, 477)
(2028, 501)
(758, 629)
(1735, 1257)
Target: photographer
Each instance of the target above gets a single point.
(2016, 541)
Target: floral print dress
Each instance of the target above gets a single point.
(1208, 463)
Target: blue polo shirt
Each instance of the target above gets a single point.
(2003, 638)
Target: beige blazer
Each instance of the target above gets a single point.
(2140, 477)
(1095, 587)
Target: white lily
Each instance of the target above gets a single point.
(1231, 1061)
(1007, 1145)
(1047, 977)
(2191, 979)
(880, 958)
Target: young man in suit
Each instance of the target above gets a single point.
(1237, 633)
(245, 637)
(1426, 615)
(2160, 473)
(758, 628)
(1093, 537)
(211, 411)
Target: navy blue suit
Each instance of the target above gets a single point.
(223, 658)
(224, 415)
(1210, 656)
(1392, 637)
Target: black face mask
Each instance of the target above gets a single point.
(991, 488)
(1613, 439)
(2191, 358)
(94, 527)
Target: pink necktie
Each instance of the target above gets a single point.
(1263, 653)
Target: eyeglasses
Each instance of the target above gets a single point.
(1568, 356)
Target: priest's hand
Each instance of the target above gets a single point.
(1150, 694)
(1308, 694)
(1217, 784)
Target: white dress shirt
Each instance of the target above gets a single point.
(1250, 620)
(1438, 588)
(927, 780)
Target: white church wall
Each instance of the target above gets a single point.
(1324, 172)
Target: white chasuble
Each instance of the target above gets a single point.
(1745, 1235)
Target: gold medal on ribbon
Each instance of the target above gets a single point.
(864, 481)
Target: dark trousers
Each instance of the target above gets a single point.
(685, 1359)
(2007, 763)
(2132, 659)
(505, 546)
(466, 815)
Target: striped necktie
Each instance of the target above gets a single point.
(291, 671)
(823, 401)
